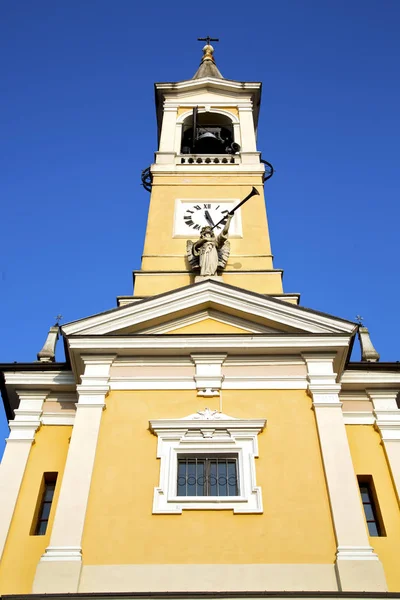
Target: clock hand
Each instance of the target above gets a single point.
(208, 218)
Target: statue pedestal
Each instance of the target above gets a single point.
(204, 278)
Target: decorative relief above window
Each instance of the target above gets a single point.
(207, 462)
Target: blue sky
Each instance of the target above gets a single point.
(77, 125)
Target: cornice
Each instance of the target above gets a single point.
(188, 343)
(211, 292)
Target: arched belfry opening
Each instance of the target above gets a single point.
(208, 133)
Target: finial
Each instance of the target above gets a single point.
(58, 319)
(48, 352)
(208, 50)
(368, 352)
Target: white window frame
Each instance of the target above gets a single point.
(206, 433)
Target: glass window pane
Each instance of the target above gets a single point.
(373, 529)
(201, 478)
(41, 530)
(45, 510)
(222, 478)
(49, 491)
(364, 493)
(181, 478)
(232, 482)
(191, 477)
(369, 514)
(212, 478)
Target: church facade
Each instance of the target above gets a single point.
(208, 435)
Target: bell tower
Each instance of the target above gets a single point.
(207, 161)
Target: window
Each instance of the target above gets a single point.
(207, 462)
(370, 504)
(208, 476)
(46, 495)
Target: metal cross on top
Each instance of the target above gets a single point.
(58, 319)
(359, 319)
(208, 39)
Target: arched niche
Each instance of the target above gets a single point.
(215, 132)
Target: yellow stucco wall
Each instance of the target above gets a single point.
(159, 231)
(209, 326)
(369, 459)
(296, 524)
(22, 550)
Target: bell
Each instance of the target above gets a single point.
(208, 143)
(207, 134)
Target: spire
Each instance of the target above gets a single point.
(368, 352)
(207, 67)
(48, 352)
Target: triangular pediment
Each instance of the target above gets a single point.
(208, 301)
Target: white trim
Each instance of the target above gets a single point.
(356, 553)
(58, 419)
(40, 378)
(249, 304)
(57, 553)
(367, 378)
(213, 109)
(363, 417)
(207, 432)
(284, 382)
(267, 343)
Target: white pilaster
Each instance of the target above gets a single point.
(247, 128)
(60, 566)
(358, 567)
(387, 417)
(15, 458)
(166, 150)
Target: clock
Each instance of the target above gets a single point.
(192, 215)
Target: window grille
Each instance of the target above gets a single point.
(208, 476)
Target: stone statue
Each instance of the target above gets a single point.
(210, 252)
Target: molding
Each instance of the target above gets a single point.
(40, 378)
(62, 553)
(56, 418)
(156, 383)
(356, 553)
(207, 432)
(268, 342)
(228, 383)
(361, 417)
(364, 379)
(354, 396)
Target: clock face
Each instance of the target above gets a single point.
(197, 216)
(192, 216)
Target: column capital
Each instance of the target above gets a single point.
(27, 416)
